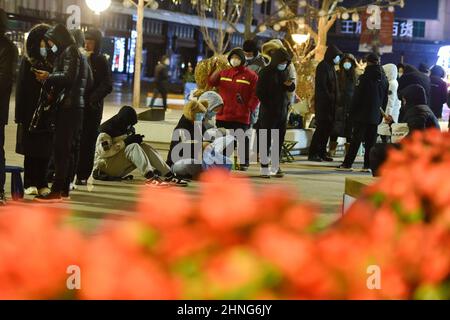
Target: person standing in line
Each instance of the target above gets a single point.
(254, 60)
(272, 90)
(35, 146)
(394, 104)
(371, 95)
(438, 92)
(8, 56)
(413, 76)
(93, 113)
(326, 98)
(342, 126)
(70, 79)
(161, 81)
(237, 87)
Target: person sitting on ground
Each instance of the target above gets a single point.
(415, 113)
(119, 151)
(213, 144)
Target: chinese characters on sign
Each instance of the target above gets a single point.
(402, 29)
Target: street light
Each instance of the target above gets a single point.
(300, 38)
(98, 6)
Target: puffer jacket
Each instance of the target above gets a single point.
(394, 104)
(70, 74)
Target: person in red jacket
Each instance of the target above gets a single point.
(237, 87)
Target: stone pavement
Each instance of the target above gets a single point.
(110, 201)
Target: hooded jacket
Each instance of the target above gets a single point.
(101, 72)
(413, 76)
(237, 87)
(347, 82)
(8, 56)
(394, 104)
(272, 92)
(326, 87)
(28, 91)
(438, 91)
(70, 75)
(371, 94)
(416, 112)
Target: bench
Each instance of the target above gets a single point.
(16, 182)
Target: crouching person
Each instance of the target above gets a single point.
(119, 151)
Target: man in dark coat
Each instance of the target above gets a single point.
(438, 93)
(161, 81)
(413, 76)
(93, 112)
(272, 91)
(371, 94)
(326, 98)
(415, 113)
(69, 78)
(35, 146)
(8, 56)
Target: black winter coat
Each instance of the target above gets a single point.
(413, 76)
(371, 94)
(70, 72)
(101, 70)
(326, 87)
(272, 92)
(162, 76)
(416, 113)
(8, 56)
(438, 95)
(342, 122)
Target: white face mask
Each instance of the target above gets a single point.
(347, 65)
(235, 62)
(54, 48)
(337, 59)
(43, 52)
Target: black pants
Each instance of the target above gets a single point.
(320, 138)
(279, 125)
(158, 90)
(2, 159)
(89, 134)
(35, 172)
(362, 132)
(232, 125)
(68, 124)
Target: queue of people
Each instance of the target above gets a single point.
(64, 79)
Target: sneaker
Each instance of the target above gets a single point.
(265, 173)
(176, 182)
(31, 191)
(72, 187)
(157, 182)
(2, 199)
(44, 191)
(366, 170)
(65, 196)
(344, 167)
(278, 174)
(81, 182)
(315, 159)
(52, 197)
(243, 168)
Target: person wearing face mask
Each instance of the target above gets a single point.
(35, 146)
(342, 126)
(101, 87)
(254, 60)
(237, 87)
(371, 95)
(69, 81)
(272, 90)
(326, 98)
(161, 81)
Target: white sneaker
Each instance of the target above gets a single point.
(72, 187)
(44, 191)
(264, 173)
(31, 191)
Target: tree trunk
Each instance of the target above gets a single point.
(248, 19)
(322, 33)
(138, 55)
